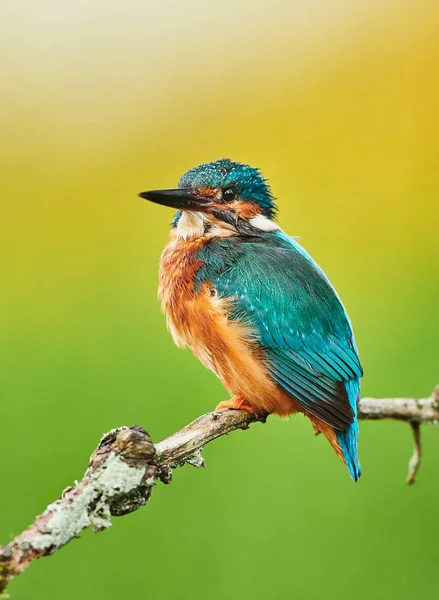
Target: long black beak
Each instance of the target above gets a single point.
(179, 198)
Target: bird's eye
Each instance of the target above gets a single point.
(229, 193)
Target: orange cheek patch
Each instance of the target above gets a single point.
(245, 210)
(208, 192)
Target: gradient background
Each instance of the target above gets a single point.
(337, 102)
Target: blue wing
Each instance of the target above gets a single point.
(296, 317)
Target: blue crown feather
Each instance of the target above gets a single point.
(249, 182)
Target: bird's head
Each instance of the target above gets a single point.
(226, 192)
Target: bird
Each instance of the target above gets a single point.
(254, 307)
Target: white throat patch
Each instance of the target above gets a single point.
(263, 223)
(192, 225)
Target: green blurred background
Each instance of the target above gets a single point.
(337, 103)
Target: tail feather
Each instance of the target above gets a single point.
(348, 439)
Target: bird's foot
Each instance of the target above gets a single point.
(237, 403)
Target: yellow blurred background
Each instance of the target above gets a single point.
(337, 103)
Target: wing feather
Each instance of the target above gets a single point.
(296, 319)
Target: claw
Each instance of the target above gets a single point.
(237, 403)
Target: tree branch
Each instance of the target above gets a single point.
(126, 464)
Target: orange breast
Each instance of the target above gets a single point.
(198, 319)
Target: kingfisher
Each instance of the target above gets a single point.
(254, 307)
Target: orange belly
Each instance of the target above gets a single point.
(198, 319)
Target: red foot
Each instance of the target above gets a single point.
(237, 403)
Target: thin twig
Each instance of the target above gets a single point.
(415, 460)
(126, 464)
